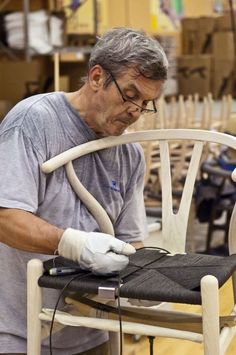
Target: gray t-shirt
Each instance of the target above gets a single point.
(34, 131)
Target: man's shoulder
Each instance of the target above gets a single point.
(32, 111)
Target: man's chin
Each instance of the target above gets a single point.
(114, 133)
(112, 130)
(119, 132)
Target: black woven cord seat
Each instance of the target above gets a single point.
(150, 275)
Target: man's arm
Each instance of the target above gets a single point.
(137, 245)
(25, 231)
(98, 252)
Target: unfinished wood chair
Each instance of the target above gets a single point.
(178, 113)
(220, 120)
(150, 148)
(151, 274)
(181, 113)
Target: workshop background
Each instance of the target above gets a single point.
(197, 37)
(45, 46)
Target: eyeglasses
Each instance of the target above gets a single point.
(141, 109)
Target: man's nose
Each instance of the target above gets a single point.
(135, 112)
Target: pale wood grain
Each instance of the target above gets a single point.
(167, 346)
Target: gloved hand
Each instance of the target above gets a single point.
(98, 252)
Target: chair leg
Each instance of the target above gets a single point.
(210, 315)
(34, 307)
(114, 341)
(228, 217)
(210, 233)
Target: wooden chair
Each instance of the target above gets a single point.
(219, 121)
(180, 113)
(210, 328)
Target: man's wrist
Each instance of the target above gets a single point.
(58, 238)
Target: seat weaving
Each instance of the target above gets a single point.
(150, 275)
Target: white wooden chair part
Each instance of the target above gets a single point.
(174, 234)
(174, 225)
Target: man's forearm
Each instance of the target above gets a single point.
(23, 230)
(137, 245)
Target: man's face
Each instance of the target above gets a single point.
(113, 114)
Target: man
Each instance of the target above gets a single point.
(41, 214)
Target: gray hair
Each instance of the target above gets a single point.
(122, 48)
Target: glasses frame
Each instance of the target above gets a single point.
(142, 110)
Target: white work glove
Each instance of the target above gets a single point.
(98, 252)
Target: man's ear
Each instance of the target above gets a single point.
(96, 77)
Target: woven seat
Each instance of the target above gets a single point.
(152, 275)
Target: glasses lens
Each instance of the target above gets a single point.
(151, 108)
(146, 112)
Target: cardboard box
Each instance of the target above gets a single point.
(223, 78)
(190, 36)
(74, 71)
(149, 16)
(15, 74)
(64, 82)
(198, 8)
(194, 74)
(63, 85)
(170, 44)
(138, 14)
(197, 34)
(223, 23)
(223, 45)
(142, 15)
(81, 20)
(111, 13)
(206, 29)
(16, 5)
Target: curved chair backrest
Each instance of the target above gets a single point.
(174, 225)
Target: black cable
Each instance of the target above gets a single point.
(145, 266)
(118, 300)
(151, 338)
(56, 305)
(120, 315)
(151, 342)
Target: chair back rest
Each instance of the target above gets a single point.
(174, 225)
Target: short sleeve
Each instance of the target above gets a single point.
(22, 184)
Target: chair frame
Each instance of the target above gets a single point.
(212, 169)
(216, 332)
